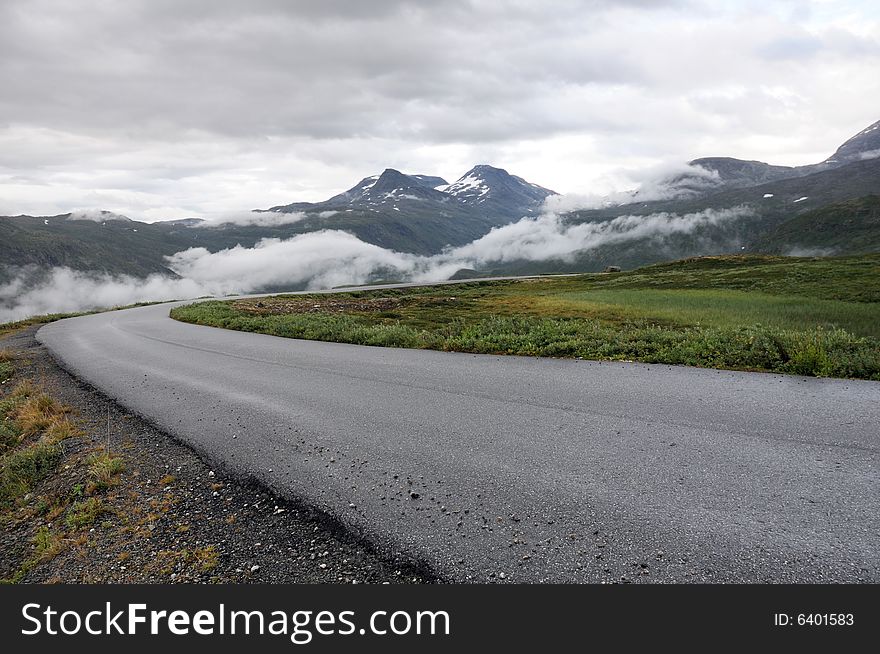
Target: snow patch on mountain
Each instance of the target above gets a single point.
(468, 185)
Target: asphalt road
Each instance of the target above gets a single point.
(495, 468)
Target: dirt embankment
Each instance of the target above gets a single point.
(114, 500)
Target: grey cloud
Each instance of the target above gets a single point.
(549, 236)
(792, 47)
(62, 290)
(294, 68)
(258, 218)
(661, 182)
(96, 215)
(162, 109)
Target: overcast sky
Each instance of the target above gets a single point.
(171, 108)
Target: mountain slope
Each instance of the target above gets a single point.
(114, 246)
(862, 146)
(737, 173)
(850, 227)
(382, 191)
(764, 208)
(732, 173)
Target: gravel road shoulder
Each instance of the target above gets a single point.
(172, 516)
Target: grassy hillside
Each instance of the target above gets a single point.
(852, 226)
(850, 279)
(116, 246)
(804, 316)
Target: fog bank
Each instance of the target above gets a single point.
(331, 258)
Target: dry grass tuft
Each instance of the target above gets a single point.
(61, 429)
(23, 390)
(37, 414)
(104, 470)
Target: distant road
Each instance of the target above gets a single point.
(513, 468)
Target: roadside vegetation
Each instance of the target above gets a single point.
(7, 328)
(34, 428)
(6, 367)
(807, 316)
(88, 496)
(61, 490)
(18, 325)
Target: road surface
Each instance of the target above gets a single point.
(492, 468)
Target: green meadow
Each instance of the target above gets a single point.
(807, 316)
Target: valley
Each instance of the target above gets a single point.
(423, 215)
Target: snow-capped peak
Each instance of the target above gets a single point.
(495, 186)
(392, 185)
(470, 185)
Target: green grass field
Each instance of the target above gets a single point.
(816, 316)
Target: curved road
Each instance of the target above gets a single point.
(518, 469)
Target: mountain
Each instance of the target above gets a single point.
(422, 213)
(730, 173)
(111, 246)
(492, 193)
(815, 213)
(862, 146)
(495, 191)
(389, 188)
(396, 211)
(737, 173)
(826, 207)
(408, 213)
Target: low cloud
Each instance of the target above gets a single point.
(318, 260)
(331, 258)
(551, 237)
(63, 290)
(255, 218)
(798, 251)
(664, 182)
(96, 215)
